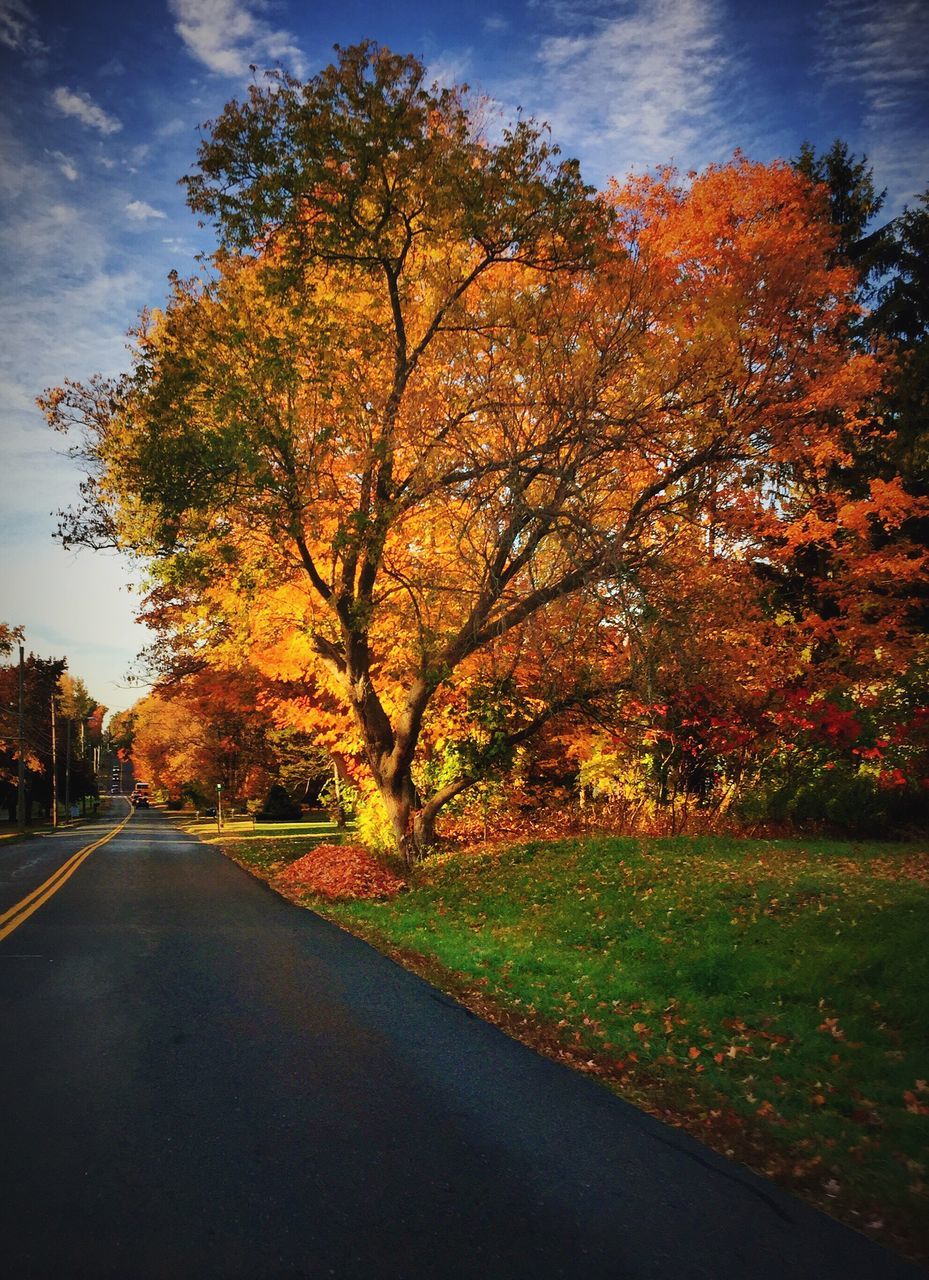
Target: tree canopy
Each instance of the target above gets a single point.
(443, 426)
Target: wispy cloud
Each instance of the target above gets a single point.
(66, 165)
(226, 36)
(19, 29)
(881, 51)
(139, 211)
(112, 67)
(82, 107)
(449, 69)
(638, 88)
(171, 128)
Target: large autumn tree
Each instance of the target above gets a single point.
(439, 399)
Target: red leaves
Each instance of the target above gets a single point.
(339, 871)
(832, 1026)
(912, 1103)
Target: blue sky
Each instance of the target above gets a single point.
(98, 120)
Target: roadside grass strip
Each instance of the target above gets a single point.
(268, 847)
(768, 995)
(21, 912)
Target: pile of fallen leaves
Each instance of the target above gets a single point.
(338, 871)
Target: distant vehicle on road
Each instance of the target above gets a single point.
(139, 795)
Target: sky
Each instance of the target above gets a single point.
(99, 112)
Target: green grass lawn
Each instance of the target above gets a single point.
(262, 847)
(769, 995)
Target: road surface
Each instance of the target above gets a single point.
(200, 1080)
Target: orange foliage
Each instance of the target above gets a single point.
(453, 446)
(339, 871)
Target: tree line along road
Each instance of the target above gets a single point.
(201, 1080)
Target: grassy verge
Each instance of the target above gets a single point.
(769, 996)
(264, 847)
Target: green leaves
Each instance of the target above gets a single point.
(364, 160)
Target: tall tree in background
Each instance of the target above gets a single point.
(76, 706)
(901, 315)
(41, 677)
(120, 733)
(9, 636)
(853, 203)
(892, 261)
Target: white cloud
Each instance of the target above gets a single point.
(66, 299)
(82, 107)
(139, 211)
(65, 164)
(226, 36)
(494, 22)
(171, 128)
(37, 231)
(449, 70)
(882, 51)
(136, 157)
(18, 29)
(632, 90)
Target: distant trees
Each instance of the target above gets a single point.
(211, 729)
(46, 680)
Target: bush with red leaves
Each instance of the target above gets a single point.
(339, 871)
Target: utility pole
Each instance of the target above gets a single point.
(54, 770)
(67, 771)
(21, 771)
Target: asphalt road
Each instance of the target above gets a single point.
(200, 1080)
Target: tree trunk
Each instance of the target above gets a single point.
(424, 829)
(413, 823)
(399, 796)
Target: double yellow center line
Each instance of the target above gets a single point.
(13, 918)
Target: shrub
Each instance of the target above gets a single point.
(372, 823)
(278, 806)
